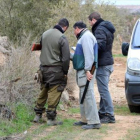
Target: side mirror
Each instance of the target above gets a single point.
(125, 47)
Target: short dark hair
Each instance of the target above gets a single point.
(63, 22)
(94, 15)
(80, 25)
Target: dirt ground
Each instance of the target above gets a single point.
(123, 123)
(116, 86)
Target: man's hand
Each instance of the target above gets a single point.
(89, 75)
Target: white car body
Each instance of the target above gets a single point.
(132, 76)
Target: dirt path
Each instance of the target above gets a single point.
(121, 127)
(123, 124)
(116, 86)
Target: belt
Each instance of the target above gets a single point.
(49, 65)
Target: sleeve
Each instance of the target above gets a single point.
(101, 39)
(88, 51)
(65, 54)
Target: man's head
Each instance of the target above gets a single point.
(64, 23)
(93, 17)
(78, 27)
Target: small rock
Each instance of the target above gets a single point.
(65, 96)
(120, 85)
(25, 132)
(62, 107)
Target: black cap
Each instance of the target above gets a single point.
(80, 25)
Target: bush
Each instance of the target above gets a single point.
(17, 75)
(41, 15)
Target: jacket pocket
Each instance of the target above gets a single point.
(62, 85)
(81, 78)
(52, 75)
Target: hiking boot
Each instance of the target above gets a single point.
(101, 115)
(37, 118)
(79, 123)
(91, 126)
(53, 122)
(108, 119)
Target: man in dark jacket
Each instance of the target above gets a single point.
(54, 58)
(104, 33)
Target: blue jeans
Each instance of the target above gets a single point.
(102, 76)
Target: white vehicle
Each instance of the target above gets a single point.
(132, 75)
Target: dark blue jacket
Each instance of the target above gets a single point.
(104, 33)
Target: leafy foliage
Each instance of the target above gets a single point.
(19, 18)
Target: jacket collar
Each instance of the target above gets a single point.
(81, 33)
(58, 28)
(96, 24)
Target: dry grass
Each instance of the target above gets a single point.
(17, 75)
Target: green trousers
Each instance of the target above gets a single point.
(49, 95)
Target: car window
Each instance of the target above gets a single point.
(136, 37)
